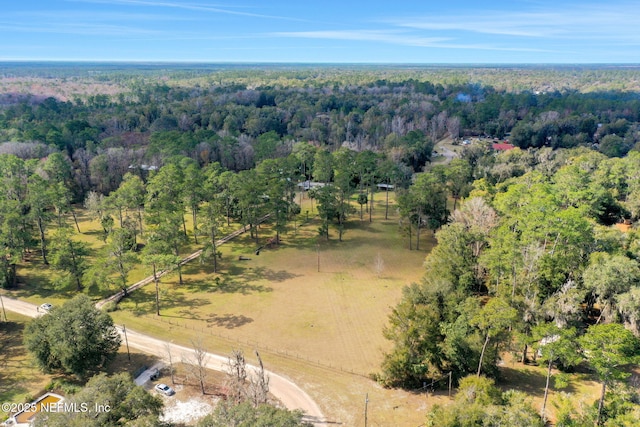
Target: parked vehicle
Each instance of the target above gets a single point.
(155, 374)
(165, 389)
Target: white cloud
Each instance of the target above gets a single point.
(581, 22)
(91, 29)
(228, 10)
(393, 37)
(477, 25)
(396, 37)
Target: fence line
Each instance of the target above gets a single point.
(121, 294)
(262, 348)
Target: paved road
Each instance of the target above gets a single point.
(292, 396)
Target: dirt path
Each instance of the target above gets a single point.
(119, 295)
(447, 153)
(292, 396)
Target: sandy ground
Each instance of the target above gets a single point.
(186, 411)
(291, 396)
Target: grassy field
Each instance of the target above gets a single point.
(531, 379)
(36, 282)
(335, 314)
(314, 308)
(315, 326)
(20, 379)
(278, 300)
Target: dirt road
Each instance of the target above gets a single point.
(448, 154)
(119, 295)
(446, 151)
(292, 396)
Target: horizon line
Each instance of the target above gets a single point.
(362, 63)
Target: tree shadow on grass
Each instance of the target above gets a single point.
(271, 275)
(236, 285)
(10, 390)
(94, 232)
(32, 285)
(144, 302)
(11, 340)
(12, 362)
(365, 225)
(122, 363)
(228, 321)
(527, 380)
(240, 280)
(186, 306)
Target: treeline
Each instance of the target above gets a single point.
(39, 199)
(582, 78)
(247, 116)
(530, 263)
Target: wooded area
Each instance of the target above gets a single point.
(528, 260)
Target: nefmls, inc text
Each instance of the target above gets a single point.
(73, 407)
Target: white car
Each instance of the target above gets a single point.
(165, 389)
(45, 308)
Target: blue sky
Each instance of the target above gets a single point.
(446, 31)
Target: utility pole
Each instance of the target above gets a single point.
(366, 407)
(4, 313)
(450, 381)
(124, 329)
(318, 252)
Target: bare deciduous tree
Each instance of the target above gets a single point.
(197, 364)
(453, 127)
(237, 376)
(259, 385)
(246, 385)
(167, 347)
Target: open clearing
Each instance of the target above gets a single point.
(323, 329)
(280, 300)
(317, 327)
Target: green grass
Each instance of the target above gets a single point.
(323, 329)
(316, 327)
(36, 281)
(20, 379)
(279, 297)
(531, 379)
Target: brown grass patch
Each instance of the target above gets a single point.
(318, 327)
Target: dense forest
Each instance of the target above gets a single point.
(238, 118)
(530, 264)
(528, 259)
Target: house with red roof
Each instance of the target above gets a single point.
(502, 146)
